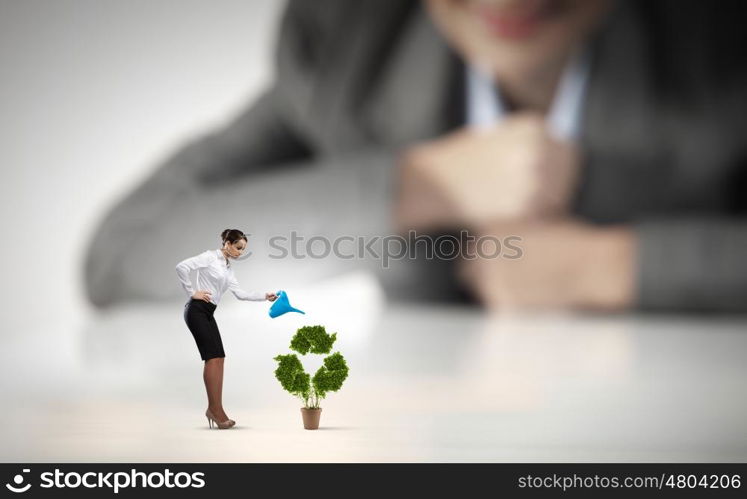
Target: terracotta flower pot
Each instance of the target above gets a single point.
(311, 418)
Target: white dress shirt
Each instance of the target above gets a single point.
(485, 107)
(214, 274)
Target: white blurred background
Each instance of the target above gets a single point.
(94, 93)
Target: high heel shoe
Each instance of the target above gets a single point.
(221, 425)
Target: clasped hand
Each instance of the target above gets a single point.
(517, 179)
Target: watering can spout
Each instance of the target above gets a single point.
(282, 305)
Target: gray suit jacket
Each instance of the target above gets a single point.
(663, 140)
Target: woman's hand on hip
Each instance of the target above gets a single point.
(271, 296)
(202, 295)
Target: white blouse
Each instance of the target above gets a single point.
(485, 106)
(214, 275)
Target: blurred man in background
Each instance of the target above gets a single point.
(608, 135)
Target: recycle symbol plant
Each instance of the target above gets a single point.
(328, 378)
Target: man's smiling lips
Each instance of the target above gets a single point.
(515, 22)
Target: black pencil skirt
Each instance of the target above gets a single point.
(198, 314)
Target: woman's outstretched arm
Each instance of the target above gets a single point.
(233, 286)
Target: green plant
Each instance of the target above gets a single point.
(328, 378)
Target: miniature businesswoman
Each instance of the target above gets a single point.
(214, 277)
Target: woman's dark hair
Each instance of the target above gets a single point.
(232, 235)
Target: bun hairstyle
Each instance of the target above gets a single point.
(232, 235)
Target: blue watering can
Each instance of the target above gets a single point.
(282, 305)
